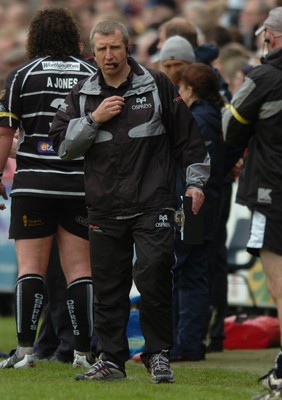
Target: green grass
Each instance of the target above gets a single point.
(229, 375)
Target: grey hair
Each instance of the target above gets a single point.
(107, 28)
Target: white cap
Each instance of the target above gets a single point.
(273, 21)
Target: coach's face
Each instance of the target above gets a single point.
(110, 53)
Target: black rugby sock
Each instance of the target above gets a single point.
(80, 306)
(278, 364)
(29, 302)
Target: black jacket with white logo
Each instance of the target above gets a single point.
(130, 160)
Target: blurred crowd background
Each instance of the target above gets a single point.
(229, 24)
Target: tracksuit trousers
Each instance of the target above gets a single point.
(112, 244)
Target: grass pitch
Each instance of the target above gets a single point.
(231, 375)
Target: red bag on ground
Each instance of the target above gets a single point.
(245, 332)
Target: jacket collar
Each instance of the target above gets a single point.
(139, 78)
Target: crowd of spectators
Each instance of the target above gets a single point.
(226, 23)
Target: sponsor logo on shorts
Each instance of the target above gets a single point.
(95, 228)
(81, 220)
(163, 221)
(31, 223)
(45, 147)
(264, 196)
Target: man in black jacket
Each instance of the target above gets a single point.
(254, 121)
(131, 126)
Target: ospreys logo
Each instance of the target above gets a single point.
(141, 100)
(163, 221)
(141, 103)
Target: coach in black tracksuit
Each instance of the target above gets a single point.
(132, 126)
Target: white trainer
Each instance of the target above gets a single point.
(26, 361)
(82, 360)
(270, 381)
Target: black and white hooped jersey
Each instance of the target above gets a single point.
(28, 102)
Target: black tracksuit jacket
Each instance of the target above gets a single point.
(130, 160)
(254, 121)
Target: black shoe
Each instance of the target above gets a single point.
(159, 368)
(186, 356)
(62, 358)
(189, 359)
(215, 347)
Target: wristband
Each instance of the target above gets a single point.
(89, 119)
(1, 174)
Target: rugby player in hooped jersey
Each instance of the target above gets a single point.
(47, 193)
